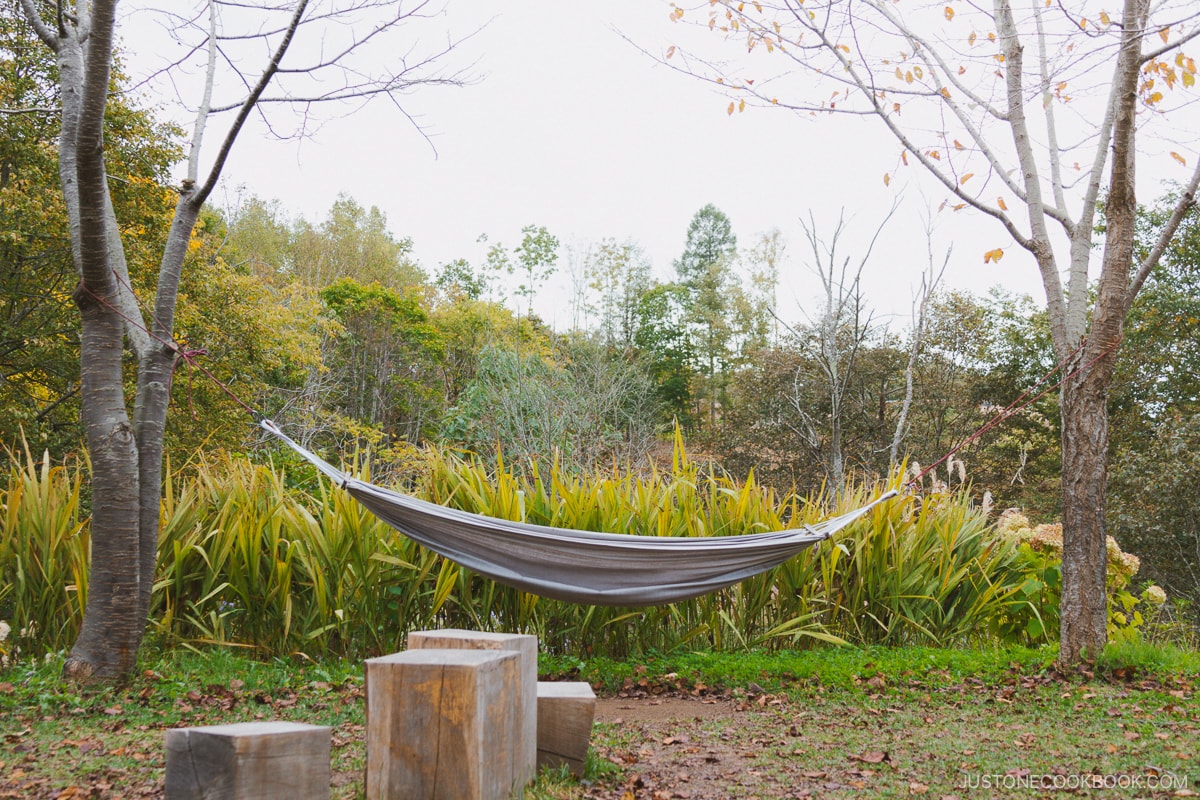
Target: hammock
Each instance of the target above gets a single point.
(607, 569)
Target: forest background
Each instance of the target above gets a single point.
(332, 328)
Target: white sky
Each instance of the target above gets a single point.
(574, 129)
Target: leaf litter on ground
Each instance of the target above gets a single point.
(865, 723)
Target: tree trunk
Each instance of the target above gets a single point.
(112, 626)
(1084, 607)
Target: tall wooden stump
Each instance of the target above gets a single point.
(440, 725)
(565, 710)
(524, 743)
(248, 761)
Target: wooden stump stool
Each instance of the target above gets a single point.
(440, 724)
(524, 741)
(248, 761)
(565, 711)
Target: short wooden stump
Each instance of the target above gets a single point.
(248, 761)
(565, 712)
(524, 743)
(440, 724)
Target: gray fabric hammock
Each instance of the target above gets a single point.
(609, 569)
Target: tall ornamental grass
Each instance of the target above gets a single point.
(248, 559)
(44, 550)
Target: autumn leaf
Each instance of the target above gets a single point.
(971, 38)
(1178, 158)
(966, 178)
(1000, 202)
(670, 51)
(904, 157)
(729, 110)
(741, 105)
(1154, 98)
(958, 145)
(887, 179)
(993, 255)
(1165, 34)
(949, 12)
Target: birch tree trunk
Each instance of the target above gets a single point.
(127, 455)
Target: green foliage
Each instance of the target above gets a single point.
(386, 360)
(1035, 618)
(582, 405)
(44, 552)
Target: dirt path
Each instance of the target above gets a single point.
(705, 748)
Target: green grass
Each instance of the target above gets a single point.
(867, 722)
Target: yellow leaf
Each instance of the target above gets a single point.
(1154, 98)
(904, 157)
(1083, 23)
(993, 255)
(1189, 79)
(958, 145)
(741, 105)
(730, 109)
(1000, 202)
(1178, 158)
(960, 206)
(899, 74)
(1105, 18)
(966, 178)
(949, 12)
(971, 38)
(844, 48)
(991, 36)
(918, 72)
(1165, 33)
(908, 78)
(670, 51)
(896, 107)
(887, 179)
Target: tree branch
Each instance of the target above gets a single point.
(1187, 201)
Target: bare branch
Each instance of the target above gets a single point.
(202, 192)
(1039, 244)
(1175, 45)
(1186, 202)
(29, 9)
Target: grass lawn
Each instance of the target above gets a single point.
(827, 723)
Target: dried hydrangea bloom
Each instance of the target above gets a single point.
(1155, 595)
(1014, 524)
(1047, 538)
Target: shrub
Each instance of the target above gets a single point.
(1036, 619)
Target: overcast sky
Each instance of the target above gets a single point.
(571, 127)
